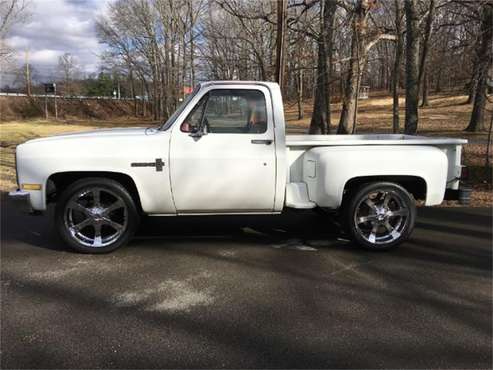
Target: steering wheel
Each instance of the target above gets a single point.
(258, 128)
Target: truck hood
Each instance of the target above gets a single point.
(98, 134)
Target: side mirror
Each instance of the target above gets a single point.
(186, 127)
(193, 131)
(196, 132)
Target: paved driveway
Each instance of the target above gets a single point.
(277, 292)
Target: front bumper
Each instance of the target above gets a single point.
(22, 200)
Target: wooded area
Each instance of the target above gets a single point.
(318, 50)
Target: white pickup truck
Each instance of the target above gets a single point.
(225, 151)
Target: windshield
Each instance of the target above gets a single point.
(180, 109)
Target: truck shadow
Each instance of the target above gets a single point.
(442, 236)
(290, 227)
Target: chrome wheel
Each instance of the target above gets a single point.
(96, 217)
(381, 217)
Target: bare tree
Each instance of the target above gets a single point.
(363, 39)
(397, 66)
(320, 121)
(484, 59)
(331, 47)
(422, 76)
(280, 41)
(68, 67)
(11, 12)
(412, 56)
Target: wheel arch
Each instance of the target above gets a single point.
(59, 181)
(415, 185)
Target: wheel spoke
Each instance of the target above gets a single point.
(367, 218)
(113, 224)
(78, 207)
(116, 205)
(398, 212)
(373, 234)
(96, 194)
(371, 204)
(98, 240)
(82, 224)
(386, 199)
(388, 226)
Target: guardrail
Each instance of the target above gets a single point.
(77, 97)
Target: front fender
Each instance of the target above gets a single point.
(327, 170)
(37, 161)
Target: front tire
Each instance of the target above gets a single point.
(380, 216)
(96, 215)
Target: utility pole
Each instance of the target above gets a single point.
(56, 107)
(281, 28)
(28, 75)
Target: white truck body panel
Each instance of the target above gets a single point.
(232, 174)
(100, 150)
(326, 176)
(227, 174)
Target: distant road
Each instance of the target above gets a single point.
(249, 292)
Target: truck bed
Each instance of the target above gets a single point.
(372, 139)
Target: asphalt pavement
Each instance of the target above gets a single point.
(249, 292)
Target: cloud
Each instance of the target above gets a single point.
(57, 27)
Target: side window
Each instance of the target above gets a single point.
(236, 112)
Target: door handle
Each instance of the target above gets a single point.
(265, 142)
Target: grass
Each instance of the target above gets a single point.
(13, 133)
(447, 115)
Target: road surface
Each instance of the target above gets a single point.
(249, 292)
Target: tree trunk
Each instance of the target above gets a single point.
(473, 85)
(425, 102)
(426, 43)
(320, 122)
(484, 63)
(412, 55)
(192, 46)
(476, 123)
(155, 97)
(132, 90)
(299, 89)
(396, 70)
(438, 86)
(281, 21)
(329, 16)
(361, 44)
(356, 65)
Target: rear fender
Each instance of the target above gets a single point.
(327, 170)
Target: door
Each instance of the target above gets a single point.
(232, 166)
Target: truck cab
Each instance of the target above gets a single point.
(229, 144)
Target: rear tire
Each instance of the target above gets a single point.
(96, 215)
(379, 215)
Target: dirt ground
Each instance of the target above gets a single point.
(446, 116)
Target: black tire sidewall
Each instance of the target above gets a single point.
(353, 200)
(114, 186)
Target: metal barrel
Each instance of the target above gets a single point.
(465, 196)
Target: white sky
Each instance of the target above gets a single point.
(56, 27)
